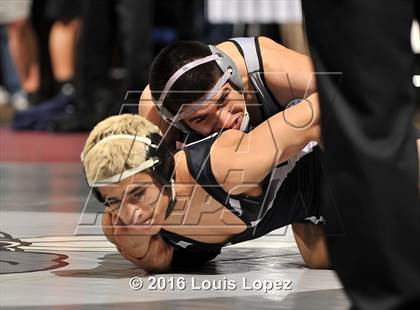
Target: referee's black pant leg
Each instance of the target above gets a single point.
(370, 149)
(95, 43)
(136, 24)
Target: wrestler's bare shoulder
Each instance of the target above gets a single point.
(146, 104)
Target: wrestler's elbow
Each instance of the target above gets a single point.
(146, 104)
(315, 134)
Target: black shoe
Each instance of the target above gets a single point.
(72, 123)
(34, 98)
(38, 117)
(87, 113)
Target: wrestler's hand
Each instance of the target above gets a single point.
(157, 258)
(130, 241)
(131, 238)
(149, 252)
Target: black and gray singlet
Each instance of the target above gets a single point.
(291, 195)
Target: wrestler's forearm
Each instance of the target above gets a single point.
(148, 110)
(150, 253)
(288, 131)
(157, 258)
(274, 141)
(130, 238)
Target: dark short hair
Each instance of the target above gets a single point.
(193, 84)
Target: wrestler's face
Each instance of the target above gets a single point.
(224, 111)
(138, 201)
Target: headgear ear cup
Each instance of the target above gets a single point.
(225, 63)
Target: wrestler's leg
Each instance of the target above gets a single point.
(310, 240)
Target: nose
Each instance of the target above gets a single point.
(131, 214)
(225, 119)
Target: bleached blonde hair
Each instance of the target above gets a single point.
(104, 160)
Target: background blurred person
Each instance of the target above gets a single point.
(9, 80)
(96, 95)
(62, 41)
(23, 48)
(66, 17)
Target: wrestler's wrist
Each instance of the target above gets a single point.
(129, 254)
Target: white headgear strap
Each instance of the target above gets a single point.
(197, 105)
(179, 73)
(127, 173)
(245, 121)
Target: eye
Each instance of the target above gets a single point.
(222, 101)
(225, 95)
(200, 119)
(112, 204)
(139, 194)
(112, 201)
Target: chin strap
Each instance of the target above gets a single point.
(173, 192)
(172, 203)
(171, 207)
(245, 121)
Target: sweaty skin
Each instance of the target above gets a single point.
(289, 75)
(206, 219)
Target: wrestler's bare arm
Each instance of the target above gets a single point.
(151, 253)
(122, 235)
(310, 239)
(253, 155)
(157, 258)
(288, 74)
(148, 110)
